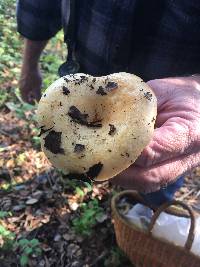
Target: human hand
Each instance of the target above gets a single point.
(30, 84)
(175, 146)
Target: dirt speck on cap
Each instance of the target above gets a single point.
(148, 96)
(53, 142)
(42, 130)
(79, 148)
(111, 86)
(101, 91)
(94, 170)
(112, 129)
(82, 118)
(65, 90)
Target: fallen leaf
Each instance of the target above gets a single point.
(19, 207)
(31, 201)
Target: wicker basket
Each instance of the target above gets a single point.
(142, 248)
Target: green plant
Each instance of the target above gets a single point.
(21, 159)
(26, 248)
(10, 51)
(77, 185)
(83, 190)
(22, 110)
(6, 238)
(8, 186)
(79, 192)
(116, 258)
(88, 218)
(3, 98)
(4, 214)
(36, 142)
(11, 54)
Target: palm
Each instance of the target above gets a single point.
(175, 146)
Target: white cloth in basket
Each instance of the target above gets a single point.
(168, 227)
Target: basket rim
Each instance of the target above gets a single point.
(120, 217)
(114, 209)
(115, 198)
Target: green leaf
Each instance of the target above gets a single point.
(23, 242)
(37, 251)
(89, 186)
(5, 233)
(34, 242)
(28, 251)
(27, 107)
(12, 106)
(36, 141)
(4, 214)
(80, 192)
(24, 260)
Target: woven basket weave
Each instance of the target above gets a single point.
(142, 248)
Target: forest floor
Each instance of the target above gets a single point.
(46, 220)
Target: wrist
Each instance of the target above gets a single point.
(29, 71)
(196, 77)
(31, 55)
(192, 80)
(29, 68)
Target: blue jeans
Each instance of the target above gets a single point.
(163, 195)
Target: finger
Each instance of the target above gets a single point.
(37, 95)
(33, 96)
(176, 137)
(159, 86)
(25, 97)
(152, 179)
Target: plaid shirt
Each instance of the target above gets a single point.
(152, 39)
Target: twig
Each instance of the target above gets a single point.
(5, 133)
(187, 194)
(100, 257)
(198, 194)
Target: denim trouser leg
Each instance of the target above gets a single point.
(163, 195)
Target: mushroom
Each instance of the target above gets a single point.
(96, 127)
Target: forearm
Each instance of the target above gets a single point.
(30, 79)
(196, 78)
(31, 53)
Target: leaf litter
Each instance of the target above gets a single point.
(44, 205)
(37, 202)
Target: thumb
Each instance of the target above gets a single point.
(172, 139)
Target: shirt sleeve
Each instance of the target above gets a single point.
(38, 20)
